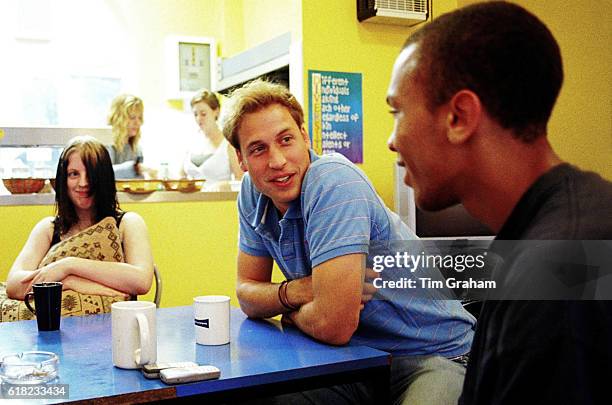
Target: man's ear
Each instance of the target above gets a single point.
(305, 135)
(241, 161)
(463, 117)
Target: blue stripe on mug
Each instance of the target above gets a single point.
(202, 322)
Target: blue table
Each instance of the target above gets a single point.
(263, 358)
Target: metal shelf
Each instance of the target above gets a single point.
(265, 58)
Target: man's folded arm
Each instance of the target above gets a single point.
(333, 314)
(258, 295)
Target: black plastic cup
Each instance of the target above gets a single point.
(48, 300)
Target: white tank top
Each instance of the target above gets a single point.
(214, 168)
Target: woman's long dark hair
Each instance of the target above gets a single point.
(100, 176)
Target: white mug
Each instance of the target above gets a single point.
(212, 319)
(134, 333)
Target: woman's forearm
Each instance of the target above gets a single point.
(16, 288)
(85, 286)
(128, 278)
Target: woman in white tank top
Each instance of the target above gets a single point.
(212, 157)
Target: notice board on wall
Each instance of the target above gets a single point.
(335, 112)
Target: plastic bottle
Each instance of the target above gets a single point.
(164, 171)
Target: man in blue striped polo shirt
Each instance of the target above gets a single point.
(316, 217)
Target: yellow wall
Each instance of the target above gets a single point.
(266, 19)
(232, 41)
(248, 23)
(334, 40)
(17, 222)
(194, 245)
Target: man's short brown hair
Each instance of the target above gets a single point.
(253, 97)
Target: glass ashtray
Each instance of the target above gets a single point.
(29, 367)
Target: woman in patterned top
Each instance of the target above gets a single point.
(85, 194)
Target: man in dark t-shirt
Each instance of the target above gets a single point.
(471, 94)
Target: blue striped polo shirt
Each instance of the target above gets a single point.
(340, 213)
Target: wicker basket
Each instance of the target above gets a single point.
(24, 186)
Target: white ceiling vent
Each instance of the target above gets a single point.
(396, 12)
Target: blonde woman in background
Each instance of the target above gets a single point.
(210, 156)
(126, 118)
